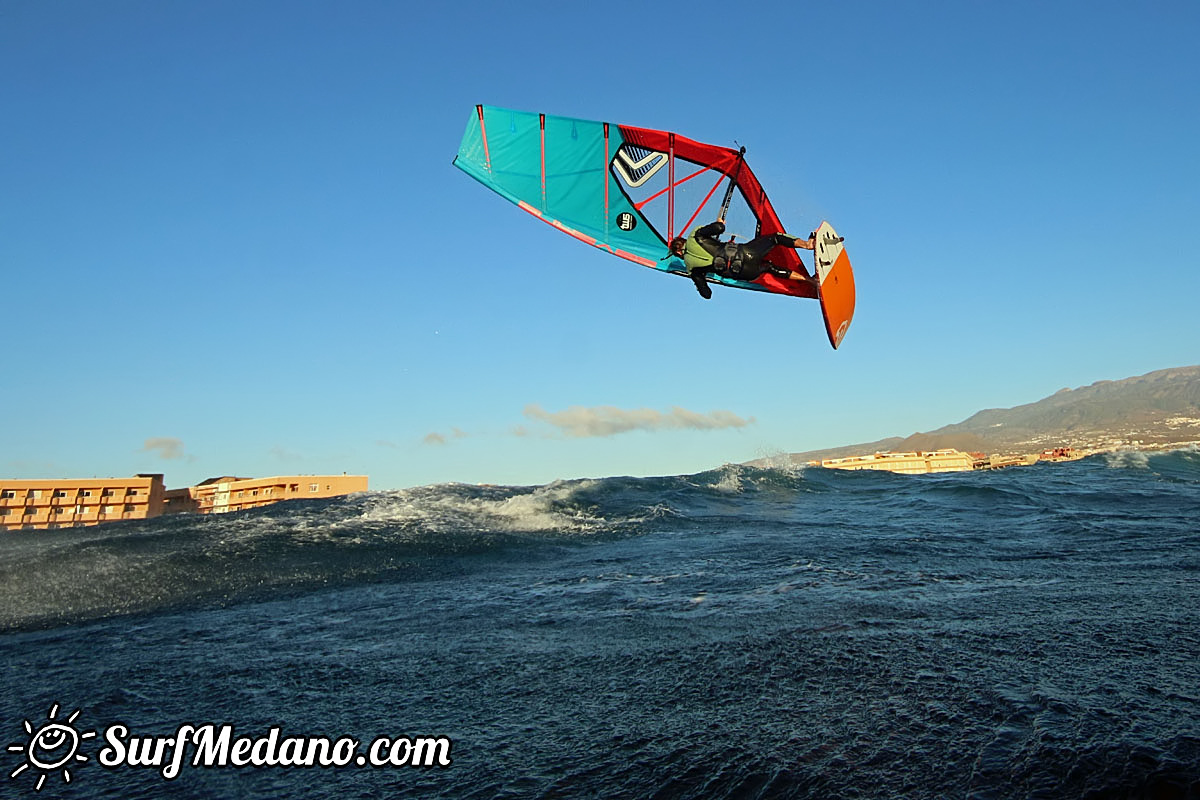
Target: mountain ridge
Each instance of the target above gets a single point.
(1156, 409)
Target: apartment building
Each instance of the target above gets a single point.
(917, 463)
(226, 494)
(73, 503)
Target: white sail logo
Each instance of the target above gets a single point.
(636, 168)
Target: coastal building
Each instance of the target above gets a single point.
(1061, 454)
(227, 493)
(915, 463)
(75, 503)
(1006, 460)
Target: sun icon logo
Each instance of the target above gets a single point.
(54, 746)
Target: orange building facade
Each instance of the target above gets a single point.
(50, 504)
(77, 503)
(227, 494)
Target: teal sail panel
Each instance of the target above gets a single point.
(558, 169)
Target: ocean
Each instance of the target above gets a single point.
(738, 633)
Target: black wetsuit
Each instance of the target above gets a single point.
(743, 262)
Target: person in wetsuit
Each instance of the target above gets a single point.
(702, 252)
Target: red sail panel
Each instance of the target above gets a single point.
(724, 159)
(727, 161)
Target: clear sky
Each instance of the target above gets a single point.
(232, 241)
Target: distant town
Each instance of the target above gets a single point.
(916, 462)
(919, 462)
(77, 503)
(1158, 410)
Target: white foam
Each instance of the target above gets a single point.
(450, 506)
(781, 462)
(729, 479)
(1128, 459)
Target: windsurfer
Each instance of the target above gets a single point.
(703, 252)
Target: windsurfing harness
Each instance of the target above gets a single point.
(706, 253)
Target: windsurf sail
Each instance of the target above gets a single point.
(624, 189)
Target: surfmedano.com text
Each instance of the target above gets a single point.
(215, 746)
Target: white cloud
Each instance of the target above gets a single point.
(581, 422)
(436, 438)
(168, 448)
(284, 454)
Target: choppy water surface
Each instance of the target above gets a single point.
(738, 633)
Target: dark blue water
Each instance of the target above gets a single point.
(1033, 632)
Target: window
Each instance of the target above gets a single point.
(86, 492)
(7, 494)
(107, 509)
(34, 494)
(3, 512)
(107, 493)
(80, 509)
(60, 493)
(59, 510)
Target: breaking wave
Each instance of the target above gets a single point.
(69, 576)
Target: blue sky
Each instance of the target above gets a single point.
(232, 242)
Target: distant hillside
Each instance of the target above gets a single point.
(1158, 408)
